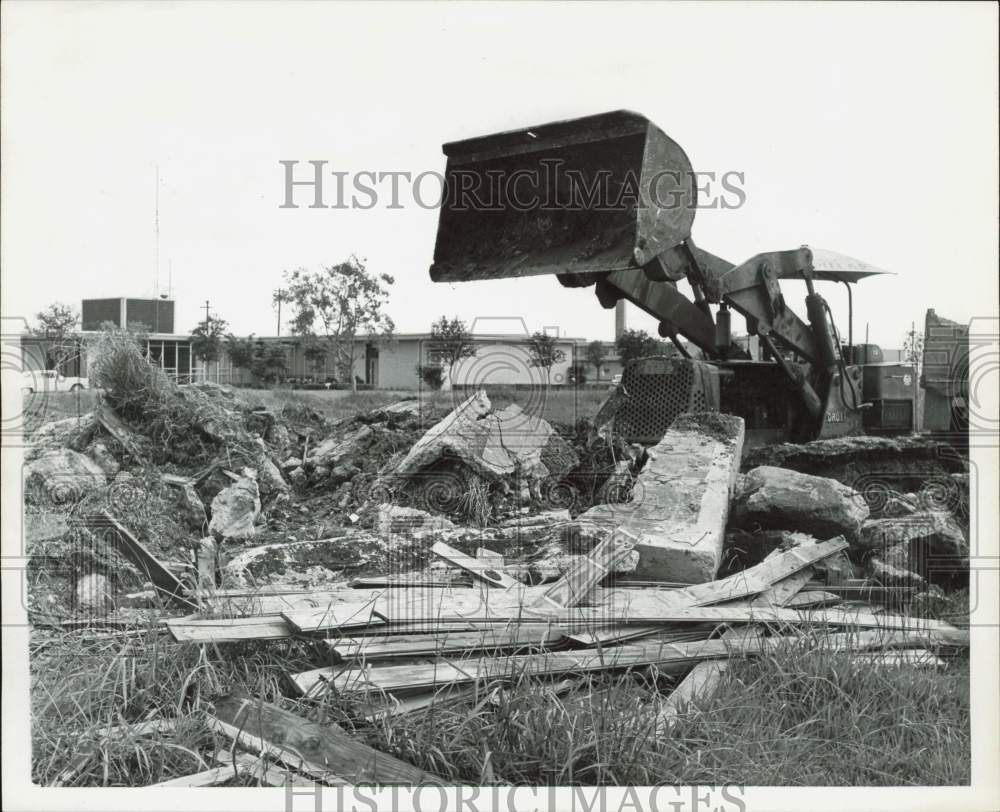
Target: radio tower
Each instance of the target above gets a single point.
(156, 236)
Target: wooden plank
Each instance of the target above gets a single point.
(388, 705)
(229, 630)
(667, 657)
(344, 616)
(114, 426)
(405, 582)
(478, 568)
(704, 679)
(242, 765)
(329, 745)
(263, 770)
(700, 683)
(266, 750)
(489, 557)
(641, 607)
(276, 604)
(588, 571)
(490, 638)
(129, 546)
(813, 598)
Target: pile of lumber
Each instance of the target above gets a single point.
(400, 649)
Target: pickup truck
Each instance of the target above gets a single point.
(49, 380)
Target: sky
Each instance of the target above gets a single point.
(865, 129)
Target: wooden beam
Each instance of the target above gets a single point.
(129, 546)
(229, 630)
(668, 657)
(588, 571)
(329, 745)
(261, 768)
(483, 570)
(266, 750)
(489, 638)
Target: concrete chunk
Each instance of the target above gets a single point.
(780, 499)
(677, 518)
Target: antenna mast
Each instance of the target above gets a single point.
(156, 232)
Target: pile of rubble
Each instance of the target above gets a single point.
(411, 537)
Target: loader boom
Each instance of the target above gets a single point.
(608, 201)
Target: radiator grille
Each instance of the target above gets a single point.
(657, 390)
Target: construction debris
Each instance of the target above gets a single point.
(63, 476)
(411, 563)
(235, 509)
(305, 746)
(509, 448)
(677, 519)
(777, 498)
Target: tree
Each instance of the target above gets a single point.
(432, 376)
(206, 339)
(544, 352)
(240, 351)
(633, 344)
(338, 303)
(913, 347)
(596, 353)
(578, 373)
(451, 342)
(57, 326)
(269, 362)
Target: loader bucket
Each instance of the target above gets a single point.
(596, 194)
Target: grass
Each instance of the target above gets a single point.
(796, 717)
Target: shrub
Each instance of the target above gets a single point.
(432, 376)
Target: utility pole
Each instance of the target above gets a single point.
(206, 314)
(279, 297)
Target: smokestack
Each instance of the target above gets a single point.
(619, 318)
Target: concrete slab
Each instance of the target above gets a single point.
(677, 517)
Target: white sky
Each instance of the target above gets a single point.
(868, 130)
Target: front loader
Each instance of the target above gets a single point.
(608, 202)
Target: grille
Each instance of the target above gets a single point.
(657, 390)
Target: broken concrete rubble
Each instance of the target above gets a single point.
(396, 520)
(677, 517)
(303, 562)
(192, 508)
(62, 476)
(336, 450)
(235, 508)
(100, 454)
(931, 545)
(902, 463)
(93, 593)
(778, 498)
(493, 444)
(65, 433)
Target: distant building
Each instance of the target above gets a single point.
(154, 315)
(501, 359)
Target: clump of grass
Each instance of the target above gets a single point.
(85, 683)
(799, 716)
(183, 425)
